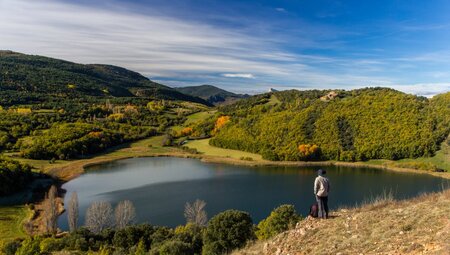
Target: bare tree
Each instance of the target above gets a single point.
(195, 212)
(99, 216)
(51, 210)
(124, 214)
(72, 212)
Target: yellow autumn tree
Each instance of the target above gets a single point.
(220, 122)
(23, 110)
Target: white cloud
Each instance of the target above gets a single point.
(239, 75)
(186, 52)
(424, 89)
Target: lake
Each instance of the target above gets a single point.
(159, 187)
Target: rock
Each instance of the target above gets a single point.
(302, 231)
(401, 233)
(354, 236)
(278, 252)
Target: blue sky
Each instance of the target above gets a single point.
(245, 46)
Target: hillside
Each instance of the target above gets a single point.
(372, 123)
(417, 226)
(26, 79)
(212, 94)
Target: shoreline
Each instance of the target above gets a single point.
(79, 166)
(75, 168)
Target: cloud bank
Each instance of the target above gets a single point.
(181, 52)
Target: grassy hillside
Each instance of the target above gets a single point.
(212, 94)
(385, 226)
(373, 123)
(25, 79)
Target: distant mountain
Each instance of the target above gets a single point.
(31, 79)
(212, 94)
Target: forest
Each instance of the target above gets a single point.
(14, 176)
(362, 124)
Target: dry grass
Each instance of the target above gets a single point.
(385, 226)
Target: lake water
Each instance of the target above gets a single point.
(160, 187)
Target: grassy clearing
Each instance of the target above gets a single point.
(193, 118)
(204, 147)
(11, 222)
(198, 117)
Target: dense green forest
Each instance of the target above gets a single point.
(28, 79)
(371, 123)
(13, 176)
(81, 129)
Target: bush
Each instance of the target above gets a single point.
(10, 248)
(50, 244)
(175, 247)
(191, 234)
(227, 231)
(280, 219)
(29, 247)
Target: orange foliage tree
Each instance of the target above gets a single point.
(220, 122)
(186, 131)
(308, 151)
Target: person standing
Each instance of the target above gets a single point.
(321, 190)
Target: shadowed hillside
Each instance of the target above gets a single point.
(26, 79)
(212, 94)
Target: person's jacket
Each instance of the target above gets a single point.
(321, 186)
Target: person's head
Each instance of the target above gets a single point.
(321, 172)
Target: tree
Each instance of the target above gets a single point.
(99, 216)
(172, 247)
(227, 231)
(125, 214)
(195, 213)
(51, 210)
(220, 122)
(280, 219)
(72, 212)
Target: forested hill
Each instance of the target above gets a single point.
(372, 123)
(212, 94)
(26, 79)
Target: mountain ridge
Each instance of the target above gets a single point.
(39, 76)
(212, 94)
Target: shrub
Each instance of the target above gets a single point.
(29, 247)
(280, 219)
(175, 247)
(10, 248)
(227, 231)
(191, 234)
(50, 244)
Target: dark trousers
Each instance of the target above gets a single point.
(323, 206)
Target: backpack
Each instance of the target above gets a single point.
(314, 210)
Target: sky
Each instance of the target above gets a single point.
(245, 46)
